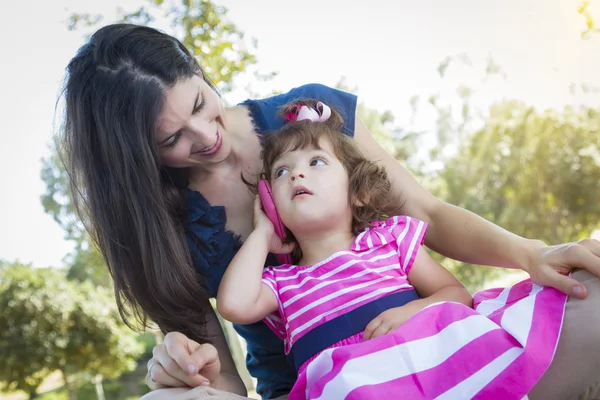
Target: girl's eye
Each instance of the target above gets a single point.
(174, 141)
(280, 172)
(315, 162)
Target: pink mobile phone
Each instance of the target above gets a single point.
(268, 205)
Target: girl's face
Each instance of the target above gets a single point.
(190, 127)
(310, 189)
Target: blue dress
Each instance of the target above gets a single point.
(212, 246)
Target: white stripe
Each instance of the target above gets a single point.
(334, 295)
(517, 318)
(468, 388)
(413, 243)
(273, 317)
(401, 236)
(394, 224)
(314, 371)
(370, 241)
(381, 238)
(367, 296)
(339, 254)
(407, 358)
(329, 274)
(487, 307)
(358, 274)
(358, 239)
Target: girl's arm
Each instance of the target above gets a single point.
(433, 283)
(242, 297)
(464, 236)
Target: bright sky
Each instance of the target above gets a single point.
(389, 50)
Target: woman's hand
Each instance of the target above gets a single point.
(262, 224)
(180, 361)
(550, 265)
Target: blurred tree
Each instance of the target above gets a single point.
(50, 323)
(585, 9)
(203, 27)
(535, 174)
(399, 142)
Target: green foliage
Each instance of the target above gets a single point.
(56, 200)
(397, 141)
(54, 324)
(585, 9)
(536, 174)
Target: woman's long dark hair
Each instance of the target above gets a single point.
(114, 92)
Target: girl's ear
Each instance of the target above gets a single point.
(361, 199)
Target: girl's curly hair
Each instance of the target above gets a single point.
(369, 192)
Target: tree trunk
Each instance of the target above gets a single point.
(70, 385)
(97, 380)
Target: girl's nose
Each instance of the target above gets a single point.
(300, 175)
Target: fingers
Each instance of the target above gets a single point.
(257, 204)
(175, 364)
(371, 328)
(590, 255)
(179, 348)
(565, 284)
(157, 377)
(286, 248)
(207, 359)
(383, 329)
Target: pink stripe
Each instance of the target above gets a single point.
(297, 322)
(539, 351)
(411, 244)
(426, 323)
(519, 291)
(488, 294)
(435, 381)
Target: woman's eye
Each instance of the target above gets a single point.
(280, 171)
(173, 141)
(200, 106)
(317, 162)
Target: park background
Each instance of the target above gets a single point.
(493, 106)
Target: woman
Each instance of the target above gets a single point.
(156, 162)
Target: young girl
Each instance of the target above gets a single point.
(364, 311)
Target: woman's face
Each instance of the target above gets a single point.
(190, 128)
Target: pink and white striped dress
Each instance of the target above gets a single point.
(498, 350)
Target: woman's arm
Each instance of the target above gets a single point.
(229, 380)
(464, 236)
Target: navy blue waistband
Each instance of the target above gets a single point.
(345, 326)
